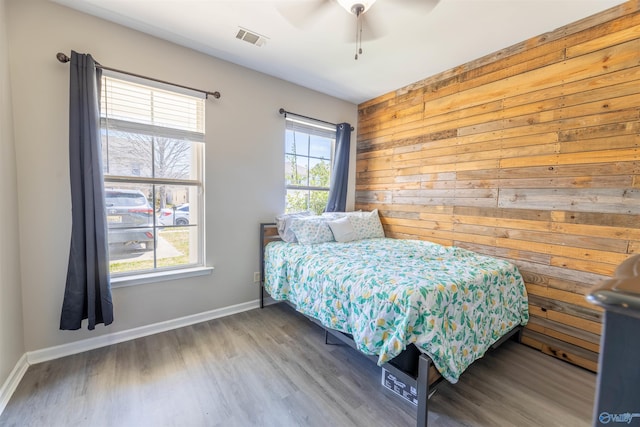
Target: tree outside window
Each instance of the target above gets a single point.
(153, 162)
(308, 160)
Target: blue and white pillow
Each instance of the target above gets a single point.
(311, 230)
(367, 225)
(283, 222)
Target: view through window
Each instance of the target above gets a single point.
(309, 149)
(152, 153)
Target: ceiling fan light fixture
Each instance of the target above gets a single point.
(357, 8)
(352, 6)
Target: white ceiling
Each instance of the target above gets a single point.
(312, 42)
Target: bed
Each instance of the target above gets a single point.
(408, 305)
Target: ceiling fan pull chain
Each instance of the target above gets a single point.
(357, 25)
(360, 40)
(357, 10)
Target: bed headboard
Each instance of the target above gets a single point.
(268, 233)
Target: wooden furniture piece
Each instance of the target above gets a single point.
(412, 367)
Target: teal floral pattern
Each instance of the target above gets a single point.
(388, 293)
(366, 224)
(311, 230)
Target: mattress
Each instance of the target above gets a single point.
(453, 304)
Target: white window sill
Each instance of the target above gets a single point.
(161, 276)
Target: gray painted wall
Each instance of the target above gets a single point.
(11, 331)
(244, 164)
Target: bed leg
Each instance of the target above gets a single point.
(424, 363)
(326, 338)
(261, 296)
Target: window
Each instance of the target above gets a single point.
(153, 161)
(308, 158)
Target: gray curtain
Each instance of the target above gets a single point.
(87, 293)
(340, 174)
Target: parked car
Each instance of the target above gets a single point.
(129, 220)
(178, 215)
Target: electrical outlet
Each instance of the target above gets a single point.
(256, 277)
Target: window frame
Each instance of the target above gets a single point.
(192, 185)
(311, 128)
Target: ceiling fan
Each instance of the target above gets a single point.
(358, 8)
(367, 13)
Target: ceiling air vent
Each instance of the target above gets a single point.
(251, 37)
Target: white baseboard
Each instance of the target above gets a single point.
(51, 353)
(38, 356)
(12, 381)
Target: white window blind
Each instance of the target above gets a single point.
(310, 127)
(147, 110)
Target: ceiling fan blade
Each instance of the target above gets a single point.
(302, 14)
(375, 21)
(373, 24)
(418, 6)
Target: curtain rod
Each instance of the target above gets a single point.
(285, 112)
(64, 58)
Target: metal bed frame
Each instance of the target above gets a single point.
(412, 367)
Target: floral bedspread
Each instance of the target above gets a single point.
(450, 302)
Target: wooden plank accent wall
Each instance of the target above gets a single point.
(531, 154)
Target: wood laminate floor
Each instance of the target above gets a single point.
(270, 367)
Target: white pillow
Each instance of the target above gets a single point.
(330, 216)
(342, 230)
(283, 222)
(367, 225)
(311, 230)
(336, 215)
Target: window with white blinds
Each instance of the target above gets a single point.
(153, 162)
(309, 147)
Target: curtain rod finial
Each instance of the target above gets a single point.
(62, 57)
